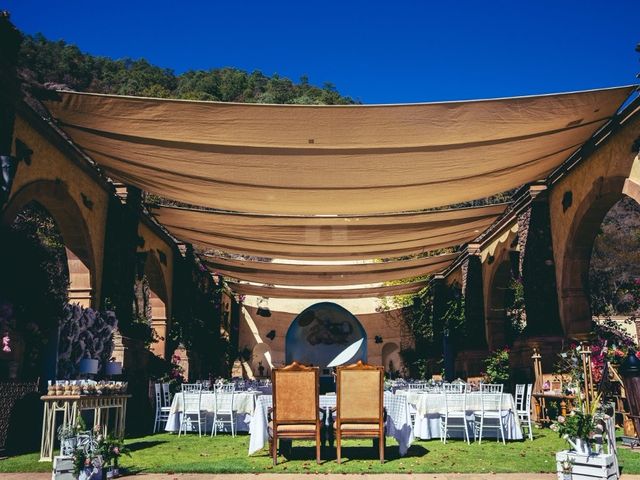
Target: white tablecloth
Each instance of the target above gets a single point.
(243, 404)
(398, 423)
(429, 406)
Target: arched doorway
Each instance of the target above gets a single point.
(261, 357)
(326, 335)
(54, 197)
(614, 268)
(33, 293)
(391, 360)
(576, 303)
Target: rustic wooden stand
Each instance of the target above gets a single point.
(71, 406)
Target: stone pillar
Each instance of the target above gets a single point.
(476, 336)
(538, 269)
(469, 361)
(440, 299)
(10, 40)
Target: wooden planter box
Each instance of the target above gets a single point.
(587, 467)
(62, 468)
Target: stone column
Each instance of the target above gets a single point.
(10, 93)
(538, 269)
(476, 336)
(469, 361)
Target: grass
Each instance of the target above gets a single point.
(166, 453)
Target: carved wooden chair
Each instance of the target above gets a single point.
(360, 405)
(295, 406)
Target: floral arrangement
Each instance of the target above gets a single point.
(497, 366)
(581, 424)
(84, 333)
(175, 376)
(87, 463)
(111, 449)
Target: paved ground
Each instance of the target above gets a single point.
(283, 476)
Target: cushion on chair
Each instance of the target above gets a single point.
(357, 426)
(294, 428)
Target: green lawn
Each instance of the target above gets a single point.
(167, 453)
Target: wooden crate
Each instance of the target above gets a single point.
(587, 467)
(62, 468)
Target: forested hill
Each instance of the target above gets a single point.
(49, 62)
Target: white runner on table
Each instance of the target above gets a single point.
(243, 405)
(398, 423)
(429, 407)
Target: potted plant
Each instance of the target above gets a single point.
(111, 449)
(580, 427)
(86, 465)
(72, 435)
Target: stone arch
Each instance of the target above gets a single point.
(158, 301)
(261, 354)
(54, 197)
(575, 301)
(322, 332)
(391, 357)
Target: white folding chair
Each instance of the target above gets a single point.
(454, 415)
(166, 395)
(491, 387)
(191, 387)
(162, 410)
(223, 402)
(454, 387)
(191, 411)
(489, 416)
(523, 407)
(226, 388)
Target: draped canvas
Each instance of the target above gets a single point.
(332, 159)
(366, 292)
(327, 275)
(355, 234)
(256, 247)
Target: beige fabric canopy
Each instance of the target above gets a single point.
(334, 237)
(366, 292)
(327, 275)
(290, 159)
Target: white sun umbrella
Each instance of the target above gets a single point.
(347, 354)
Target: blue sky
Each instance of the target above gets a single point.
(378, 52)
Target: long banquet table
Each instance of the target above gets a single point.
(429, 406)
(243, 406)
(398, 423)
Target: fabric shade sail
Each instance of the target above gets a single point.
(366, 292)
(327, 275)
(358, 159)
(328, 238)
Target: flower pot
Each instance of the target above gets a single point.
(581, 446)
(90, 473)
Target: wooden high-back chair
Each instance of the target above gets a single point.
(360, 407)
(295, 405)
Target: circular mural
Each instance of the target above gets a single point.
(326, 335)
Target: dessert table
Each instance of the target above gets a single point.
(243, 405)
(429, 407)
(71, 406)
(398, 423)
